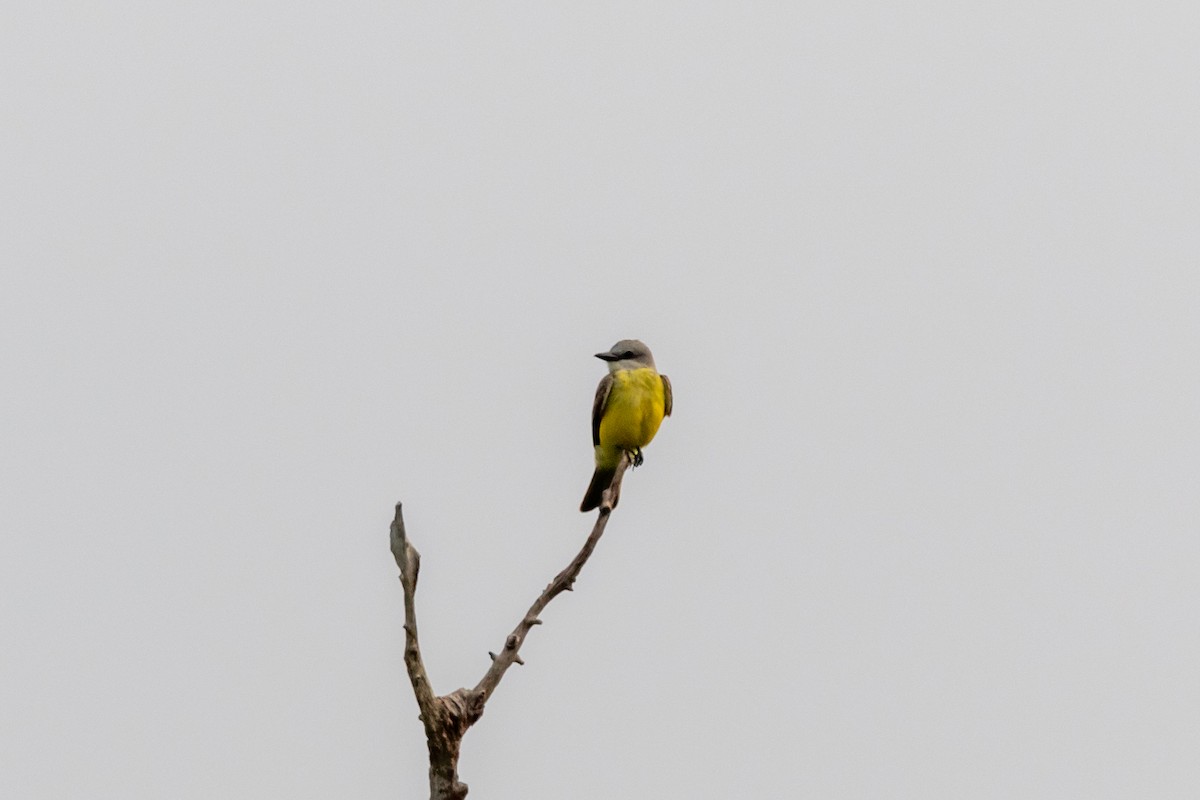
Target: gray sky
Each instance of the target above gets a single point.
(924, 277)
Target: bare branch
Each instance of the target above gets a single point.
(409, 562)
(447, 718)
(562, 582)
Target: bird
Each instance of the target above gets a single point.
(630, 404)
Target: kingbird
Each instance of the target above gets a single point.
(630, 404)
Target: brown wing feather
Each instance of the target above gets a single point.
(668, 397)
(599, 404)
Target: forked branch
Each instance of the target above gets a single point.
(447, 717)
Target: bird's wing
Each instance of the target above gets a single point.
(668, 398)
(599, 404)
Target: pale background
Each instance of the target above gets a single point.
(925, 277)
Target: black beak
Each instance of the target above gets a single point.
(608, 356)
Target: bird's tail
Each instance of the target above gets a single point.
(601, 479)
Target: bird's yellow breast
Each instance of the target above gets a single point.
(634, 409)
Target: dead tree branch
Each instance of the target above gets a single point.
(448, 717)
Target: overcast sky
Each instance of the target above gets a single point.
(925, 277)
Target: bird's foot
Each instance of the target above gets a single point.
(637, 457)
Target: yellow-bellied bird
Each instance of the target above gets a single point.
(630, 404)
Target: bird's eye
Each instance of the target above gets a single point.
(627, 354)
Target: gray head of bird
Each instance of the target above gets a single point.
(627, 354)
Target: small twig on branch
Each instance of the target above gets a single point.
(448, 717)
